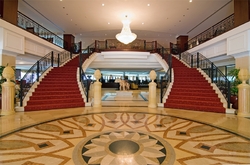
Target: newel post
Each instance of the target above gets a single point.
(152, 90)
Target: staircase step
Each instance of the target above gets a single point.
(53, 96)
(197, 98)
(55, 101)
(53, 106)
(192, 90)
(195, 107)
(188, 86)
(58, 83)
(193, 94)
(49, 85)
(195, 102)
(53, 93)
(71, 89)
(191, 83)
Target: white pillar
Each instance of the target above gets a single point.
(152, 91)
(244, 94)
(97, 90)
(8, 92)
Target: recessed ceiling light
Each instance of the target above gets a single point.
(60, 0)
(190, 0)
(108, 22)
(71, 19)
(142, 23)
(103, 4)
(148, 4)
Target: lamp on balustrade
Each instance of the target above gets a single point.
(126, 36)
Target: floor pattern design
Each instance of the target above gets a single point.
(154, 137)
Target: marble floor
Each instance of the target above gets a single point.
(124, 135)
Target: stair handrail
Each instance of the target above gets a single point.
(216, 75)
(165, 81)
(63, 57)
(34, 73)
(167, 78)
(85, 82)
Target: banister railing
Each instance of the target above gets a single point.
(216, 30)
(32, 26)
(64, 56)
(85, 82)
(167, 78)
(215, 74)
(34, 73)
(165, 81)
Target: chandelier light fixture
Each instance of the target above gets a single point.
(126, 36)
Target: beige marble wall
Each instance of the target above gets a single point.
(7, 59)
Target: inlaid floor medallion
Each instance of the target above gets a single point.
(123, 147)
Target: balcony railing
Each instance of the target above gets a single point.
(37, 29)
(214, 31)
(137, 45)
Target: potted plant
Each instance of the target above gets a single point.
(235, 81)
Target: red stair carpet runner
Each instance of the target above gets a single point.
(57, 90)
(191, 91)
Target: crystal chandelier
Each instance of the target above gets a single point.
(126, 36)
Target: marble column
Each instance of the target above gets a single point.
(244, 94)
(8, 92)
(97, 90)
(152, 103)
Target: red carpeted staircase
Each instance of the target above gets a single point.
(191, 91)
(58, 89)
